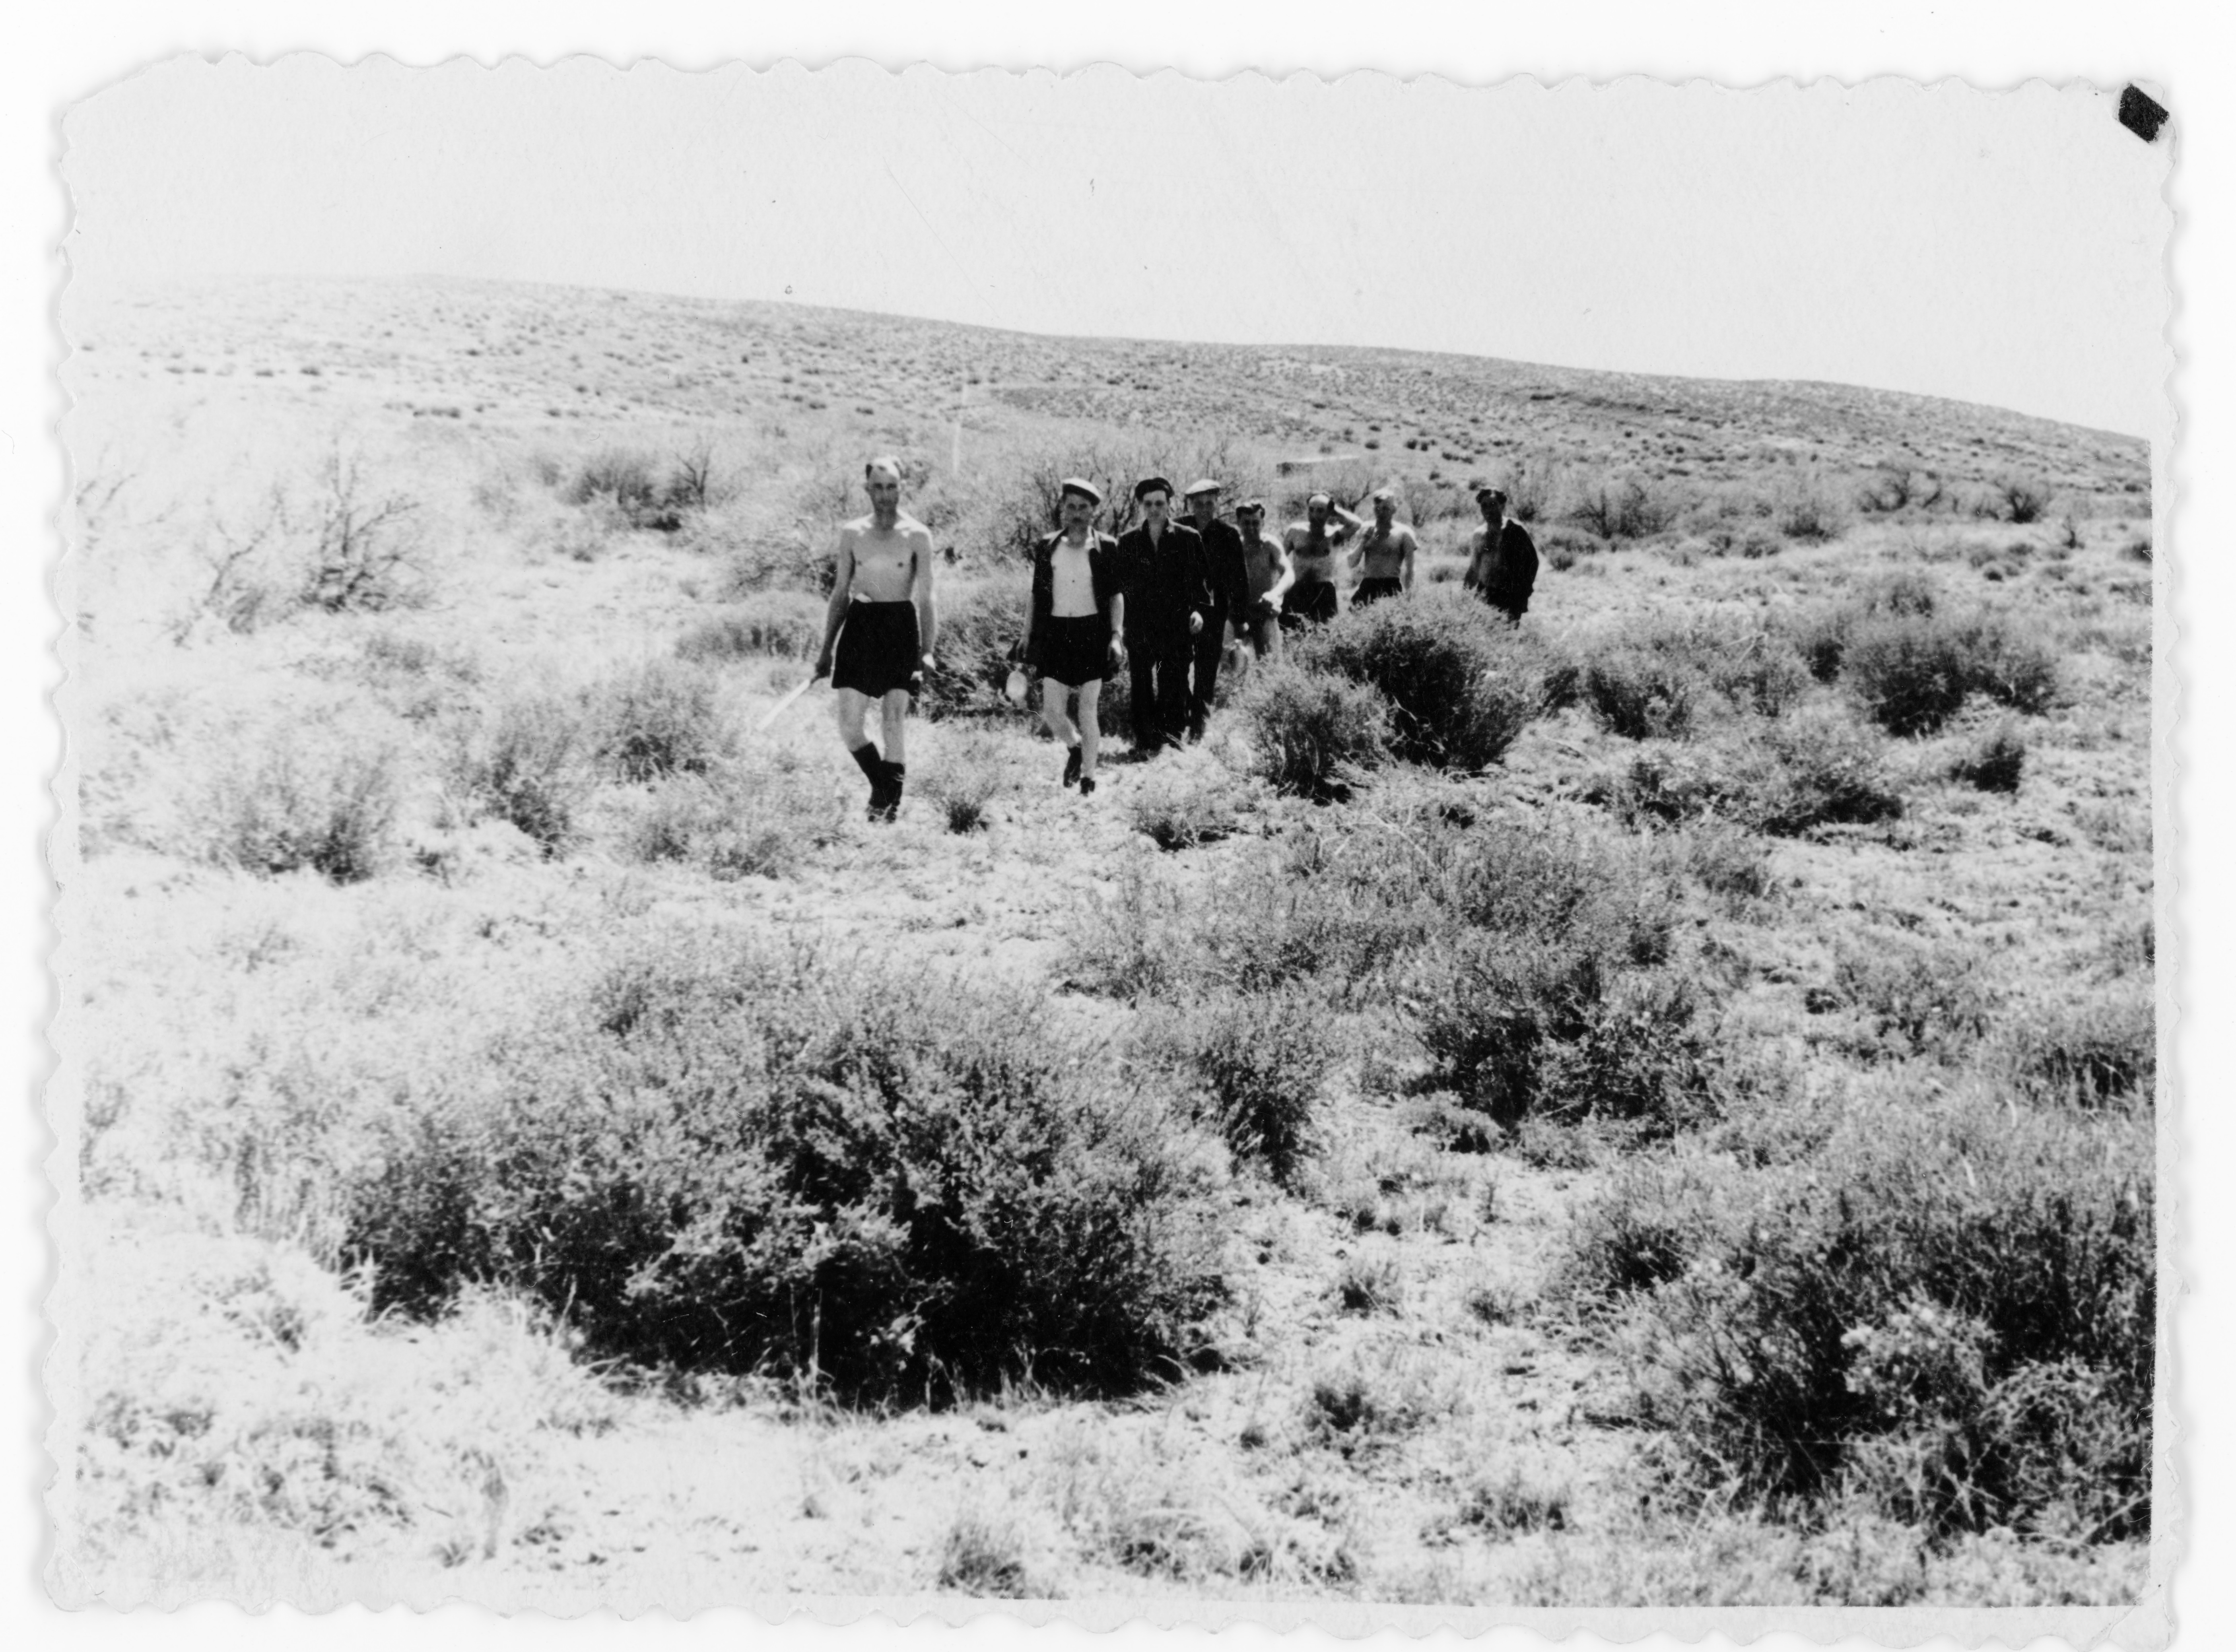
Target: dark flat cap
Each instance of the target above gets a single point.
(1250, 507)
(1083, 488)
(1150, 484)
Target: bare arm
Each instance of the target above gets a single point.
(1282, 581)
(1351, 524)
(927, 609)
(842, 592)
(1411, 542)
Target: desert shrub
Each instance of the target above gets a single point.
(1533, 482)
(2092, 1047)
(633, 484)
(1910, 673)
(1640, 693)
(1628, 509)
(1950, 1310)
(981, 623)
(785, 625)
(721, 1156)
(360, 551)
(1460, 687)
(2019, 499)
(526, 763)
(2016, 670)
(1729, 861)
(983, 1556)
(1259, 1071)
(1993, 762)
(1184, 805)
(1810, 511)
(1761, 672)
(327, 803)
(737, 820)
(661, 718)
(1816, 768)
(967, 778)
(1646, 1226)
(1918, 999)
(1313, 732)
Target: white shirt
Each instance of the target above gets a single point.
(1075, 581)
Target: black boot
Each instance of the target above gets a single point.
(1071, 766)
(896, 778)
(875, 766)
(1087, 786)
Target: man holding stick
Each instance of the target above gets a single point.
(879, 630)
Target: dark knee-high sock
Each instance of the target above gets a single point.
(896, 778)
(865, 754)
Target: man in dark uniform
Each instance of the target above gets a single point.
(1228, 588)
(1166, 598)
(1502, 558)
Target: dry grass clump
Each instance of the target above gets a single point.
(527, 762)
(2094, 1047)
(1945, 1309)
(1184, 802)
(729, 1157)
(783, 625)
(1461, 685)
(1916, 999)
(963, 785)
(1993, 762)
(1640, 693)
(664, 717)
(983, 1553)
(311, 796)
(738, 820)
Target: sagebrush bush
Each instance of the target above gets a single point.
(1461, 685)
(1182, 805)
(1816, 768)
(646, 494)
(1995, 762)
(784, 625)
(721, 1156)
(1640, 693)
(527, 763)
(313, 799)
(1911, 674)
(1630, 508)
(1313, 732)
(663, 717)
(1258, 1070)
(981, 623)
(1948, 1310)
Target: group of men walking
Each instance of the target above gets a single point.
(1162, 601)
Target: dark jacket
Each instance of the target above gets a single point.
(1164, 585)
(1104, 564)
(1223, 569)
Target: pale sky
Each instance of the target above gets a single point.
(2006, 248)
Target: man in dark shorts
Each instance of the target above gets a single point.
(880, 629)
(1073, 625)
(1266, 575)
(1223, 575)
(1502, 558)
(1311, 545)
(1386, 550)
(1166, 599)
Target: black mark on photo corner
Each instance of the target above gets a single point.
(2141, 113)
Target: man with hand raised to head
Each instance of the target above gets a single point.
(1386, 551)
(880, 630)
(1166, 598)
(1311, 545)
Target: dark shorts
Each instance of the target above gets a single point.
(1373, 590)
(1073, 651)
(1312, 604)
(878, 651)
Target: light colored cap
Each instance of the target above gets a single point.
(884, 462)
(1205, 486)
(1083, 488)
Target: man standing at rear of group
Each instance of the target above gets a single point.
(1386, 549)
(1166, 598)
(880, 629)
(1228, 591)
(1266, 575)
(1502, 558)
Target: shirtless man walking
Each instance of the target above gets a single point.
(1386, 549)
(1266, 578)
(879, 633)
(1311, 545)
